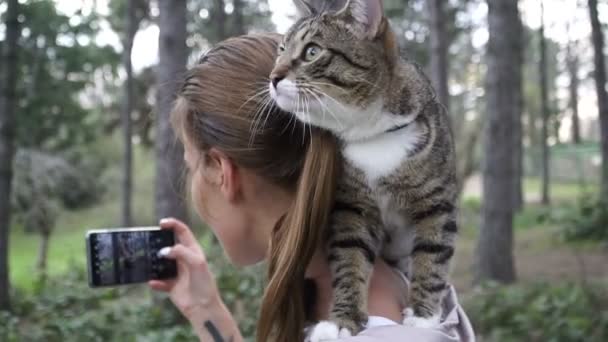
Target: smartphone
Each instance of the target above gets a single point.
(120, 256)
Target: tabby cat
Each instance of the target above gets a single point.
(339, 68)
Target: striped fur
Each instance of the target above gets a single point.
(397, 196)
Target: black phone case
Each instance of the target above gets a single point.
(129, 256)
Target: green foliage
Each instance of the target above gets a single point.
(207, 26)
(241, 289)
(58, 61)
(67, 310)
(540, 312)
(587, 221)
(43, 183)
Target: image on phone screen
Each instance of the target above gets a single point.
(129, 257)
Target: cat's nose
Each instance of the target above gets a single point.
(276, 79)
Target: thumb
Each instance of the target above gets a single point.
(184, 254)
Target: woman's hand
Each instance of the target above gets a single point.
(194, 292)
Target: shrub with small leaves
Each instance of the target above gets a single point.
(588, 221)
(66, 309)
(540, 312)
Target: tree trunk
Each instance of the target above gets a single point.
(466, 154)
(573, 66)
(239, 23)
(127, 185)
(438, 44)
(45, 237)
(173, 54)
(518, 134)
(219, 19)
(494, 255)
(8, 103)
(602, 96)
(545, 111)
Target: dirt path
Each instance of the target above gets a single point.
(539, 256)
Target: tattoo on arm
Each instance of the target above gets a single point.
(215, 334)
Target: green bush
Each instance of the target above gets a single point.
(66, 309)
(241, 289)
(540, 312)
(587, 221)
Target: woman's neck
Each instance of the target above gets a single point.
(318, 271)
(387, 290)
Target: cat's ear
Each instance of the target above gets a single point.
(368, 13)
(308, 8)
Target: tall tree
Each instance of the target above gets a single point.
(60, 63)
(8, 103)
(518, 129)
(544, 95)
(602, 95)
(494, 255)
(572, 62)
(218, 22)
(438, 44)
(173, 54)
(131, 30)
(239, 23)
(218, 17)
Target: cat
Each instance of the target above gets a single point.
(339, 68)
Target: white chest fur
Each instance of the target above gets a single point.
(381, 155)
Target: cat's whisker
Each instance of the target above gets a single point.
(256, 94)
(325, 107)
(318, 83)
(322, 93)
(266, 107)
(268, 113)
(264, 93)
(307, 101)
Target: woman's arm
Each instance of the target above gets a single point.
(194, 291)
(215, 324)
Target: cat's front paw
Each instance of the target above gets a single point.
(327, 331)
(411, 320)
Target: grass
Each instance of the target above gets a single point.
(67, 246)
(557, 191)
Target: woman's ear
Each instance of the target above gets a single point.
(223, 172)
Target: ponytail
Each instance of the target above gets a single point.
(294, 240)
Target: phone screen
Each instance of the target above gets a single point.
(129, 256)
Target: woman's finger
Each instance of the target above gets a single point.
(161, 285)
(184, 254)
(182, 232)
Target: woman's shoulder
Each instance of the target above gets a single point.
(454, 327)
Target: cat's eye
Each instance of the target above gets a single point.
(281, 48)
(311, 52)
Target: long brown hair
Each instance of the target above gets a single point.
(219, 106)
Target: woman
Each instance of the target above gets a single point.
(264, 184)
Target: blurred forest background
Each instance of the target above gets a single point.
(85, 90)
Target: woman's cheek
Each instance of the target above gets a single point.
(196, 193)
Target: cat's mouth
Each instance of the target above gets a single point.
(308, 106)
(285, 94)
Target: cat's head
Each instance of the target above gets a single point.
(335, 62)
